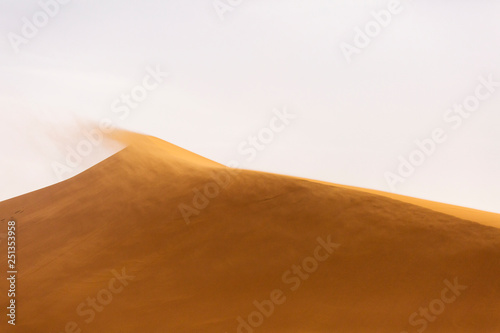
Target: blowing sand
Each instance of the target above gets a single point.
(110, 251)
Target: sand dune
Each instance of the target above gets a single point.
(268, 253)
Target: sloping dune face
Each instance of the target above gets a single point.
(156, 239)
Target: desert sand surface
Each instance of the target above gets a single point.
(268, 253)
(486, 218)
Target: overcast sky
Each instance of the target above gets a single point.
(361, 80)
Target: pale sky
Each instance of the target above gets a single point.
(228, 77)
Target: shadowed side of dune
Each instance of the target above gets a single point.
(382, 260)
